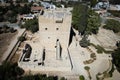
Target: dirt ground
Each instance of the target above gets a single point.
(5, 39)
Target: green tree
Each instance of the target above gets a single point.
(93, 22)
(115, 13)
(84, 42)
(21, 38)
(93, 3)
(63, 78)
(116, 58)
(12, 30)
(79, 17)
(9, 71)
(31, 25)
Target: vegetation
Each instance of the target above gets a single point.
(7, 29)
(84, 42)
(93, 3)
(81, 77)
(100, 49)
(21, 38)
(115, 13)
(17, 1)
(86, 23)
(111, 71)
(31, 25)
(38, 77)
(9, 12)
(79, 20)
(93, 22)
(114, 1)
(11, 71)
(116, 58)
(63, 78)
(112, 24)
(87, 68)
(21, 1)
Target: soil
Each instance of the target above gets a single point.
(5, 40)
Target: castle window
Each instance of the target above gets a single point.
(45, 28)
(57, 28)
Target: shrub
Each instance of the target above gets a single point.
(87, 68)
(111, 71)
(116, 58)
(63, 78)
(100, 49)
(84, 42)
(114, 13)
(113, 25)
(81, 77)
(21, 38)
(12, 30)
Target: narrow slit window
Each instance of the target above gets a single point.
(45, 28)
(57, 28)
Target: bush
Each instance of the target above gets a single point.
(111, 71)
(21, 38)
(87, 68)
(81, 77)
(62, 78)
(100, 49)
(112, 24)
(4, 28)
(12, 30)
(13, 19)
(84, 42)
(114, 13)
(93, 22)
(116, 58)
